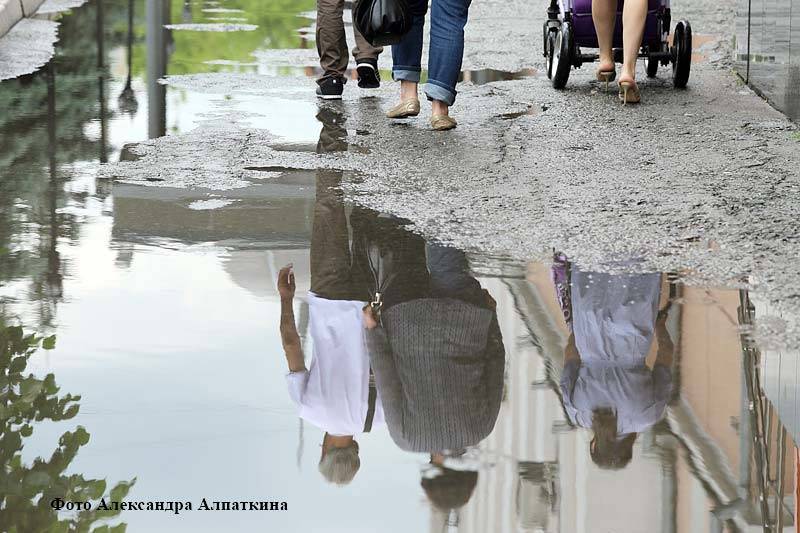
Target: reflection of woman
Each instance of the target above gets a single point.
(606, 383)
(438, 359)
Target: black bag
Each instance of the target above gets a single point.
(382, 22)
(393, 260)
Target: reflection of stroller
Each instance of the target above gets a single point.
(569, 27)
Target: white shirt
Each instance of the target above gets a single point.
(333, 394)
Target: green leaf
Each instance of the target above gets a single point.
(71, 411)
(81, 435)
(37, 479)
(119, 528)
(18, 364)
(119, 492)
(58, 527)
(30, 388)
(49, 343)
(96, 488)
(14, 333)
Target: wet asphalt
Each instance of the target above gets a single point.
(702, 182)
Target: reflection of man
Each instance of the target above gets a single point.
(439, 360)
(606, 383)
(335, 393)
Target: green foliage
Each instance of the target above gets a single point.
(26, 491)
(277, 22)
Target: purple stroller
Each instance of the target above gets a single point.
(569, 27)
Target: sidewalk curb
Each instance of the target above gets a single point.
(12, 11)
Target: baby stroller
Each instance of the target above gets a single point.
(569, 27)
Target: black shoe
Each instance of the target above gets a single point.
(331, 88)
(368, 75)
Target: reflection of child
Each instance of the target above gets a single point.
(606, 383)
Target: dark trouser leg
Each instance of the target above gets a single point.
(331, 40)
(330, 242)
(363, 49)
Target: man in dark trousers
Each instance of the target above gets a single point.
(333, 53)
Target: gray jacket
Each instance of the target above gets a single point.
(438, 366)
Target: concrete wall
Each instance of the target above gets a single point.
(29, 7)
(10, 14)
(768, 50)
(12, 11)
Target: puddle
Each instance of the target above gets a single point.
(491, 377)
(217, 27)
(529, 112)
(479, 77)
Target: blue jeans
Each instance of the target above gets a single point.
(448, 18)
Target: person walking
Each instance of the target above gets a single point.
(333, 53)
(604, 15)
(446, 51)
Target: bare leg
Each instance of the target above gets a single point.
(633, 17)
(439, 108)
(604, 15)
(408, 90)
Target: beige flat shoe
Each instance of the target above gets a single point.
(409, 108)
(443, 122)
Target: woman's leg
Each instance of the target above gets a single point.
(633, 18)
(448, 18)
(604, 15)
(407, 55)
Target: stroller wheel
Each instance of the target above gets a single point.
(681, 54)
(651, 67)
(551, 53)
(545, 39)
(561, 62)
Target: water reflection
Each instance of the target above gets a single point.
(336, 392)
(466, 395)
(158, 15)
(26, 490)
(617, 324)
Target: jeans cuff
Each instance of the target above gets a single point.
(435, 90)
(406, 74)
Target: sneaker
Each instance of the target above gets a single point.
(368, 75)
(331, 88)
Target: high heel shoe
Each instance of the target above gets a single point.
(606, 76)
(407, 108)
(629, 92)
